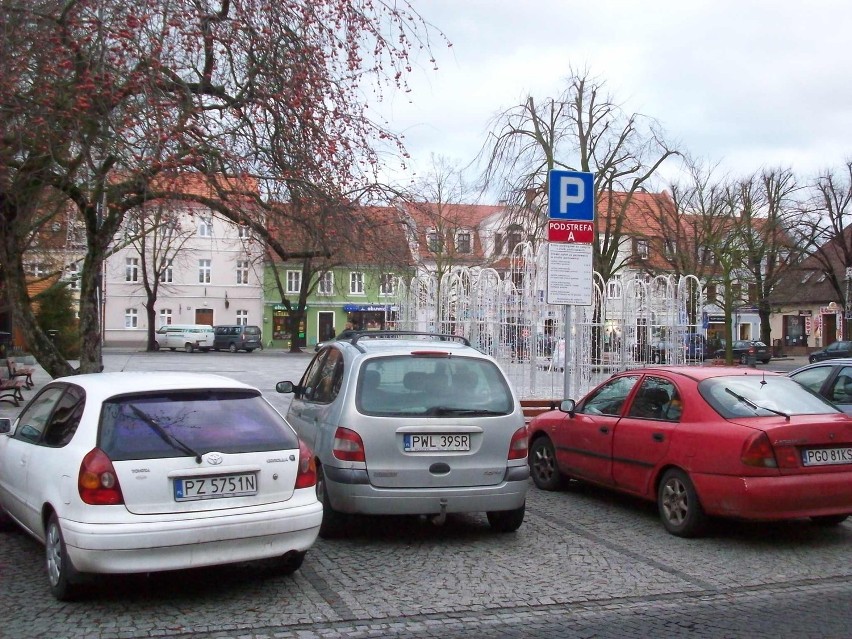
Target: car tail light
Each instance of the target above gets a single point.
(348, 445)
(758, 452)
(752, 350)
(307, 475)
(519, 443)
(97, 482)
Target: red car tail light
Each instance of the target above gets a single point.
(758, 452)
(348, 445)
(97, 481)
(519, 444)
(307, 475)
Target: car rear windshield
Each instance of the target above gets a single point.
(432, 386)
(761, 396)
(251, 330)
(173, 424)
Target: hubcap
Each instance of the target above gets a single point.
(543, 463)
(675, 501)
(53, 549)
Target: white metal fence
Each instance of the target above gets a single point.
(633, 321)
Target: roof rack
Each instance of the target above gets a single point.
(442, 337)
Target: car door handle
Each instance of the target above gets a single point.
(658, 437)
(604, 430)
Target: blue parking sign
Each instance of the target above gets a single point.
(571, 195)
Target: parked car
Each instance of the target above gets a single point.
(411, 424)
(141, 472)
(692, 347)
(832, 379)
(187, 337)
(237, 337)
(744, 348)
(703, 442)
(832, 351)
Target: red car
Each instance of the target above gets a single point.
(702, 442)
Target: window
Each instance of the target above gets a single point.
(807, 276)
(640, 248)
(242, 317)
(165, 316)
(752, 292)
(205, 227)
(386, 284)
(736, 291)
(498, 243)
(36, 269)
(708, 256)
(356, 283)
(711, 293)
(167, 275)
(294, 281)
(131, 269)
(513, 238)
(463, 242)
(326, 284)
(131, 318)
(433, 239)
(242, 272)
(204, 270)
(244, 232)
(670, 247)
(72, 275)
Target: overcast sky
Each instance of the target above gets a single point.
(748, 84)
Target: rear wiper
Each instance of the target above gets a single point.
(751, 404)
(448, 410)
(167, 437)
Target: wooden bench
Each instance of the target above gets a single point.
(16, 370)
(11, 391)
(534, 407)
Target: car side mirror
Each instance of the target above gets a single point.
(568, 406)
(285, 387)
(5, 425)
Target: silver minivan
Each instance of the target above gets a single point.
(411, 424)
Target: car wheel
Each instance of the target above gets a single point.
(812, 360)
(156, 346)
(60, 572)
(333, 522)
(290, 563)
(743, 359)
(506, 521)
(678, 504)
(543, 467)
(189, 348)
(829, 520)
(232, 347)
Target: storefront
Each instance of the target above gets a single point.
(284, 329)
(370, 317)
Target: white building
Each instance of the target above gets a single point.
(210, 272)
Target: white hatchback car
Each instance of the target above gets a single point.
(411, 424)
(146, 472)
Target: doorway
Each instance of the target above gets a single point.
(325, 325)
(204, 316)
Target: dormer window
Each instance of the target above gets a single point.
(463, 243)
(433, 240)
(640, 248)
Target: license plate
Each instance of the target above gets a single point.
(826, 456)
(415, 443)
(215, 487)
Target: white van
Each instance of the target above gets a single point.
(188, 337)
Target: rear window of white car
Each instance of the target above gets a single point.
(432, 386)
(187, 423)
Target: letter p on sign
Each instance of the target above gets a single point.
(571, 196)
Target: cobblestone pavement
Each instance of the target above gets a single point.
(586, 563)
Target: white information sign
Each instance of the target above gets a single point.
(569, 274)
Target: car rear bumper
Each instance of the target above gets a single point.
(779, 497)
(369, 500)
(186, 543)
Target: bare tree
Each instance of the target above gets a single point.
(583, 130)
(98, 98)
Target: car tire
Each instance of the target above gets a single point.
(189, 348)
(543, 467)
(61, 573)
(678, 504)
(156, 346)
(506, 521)
(333, 522)
(812, 360)
(232, 347)
(743, 359)
(829, 520)
(289, 563)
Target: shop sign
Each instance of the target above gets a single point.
(716, 319)
(366, 308)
